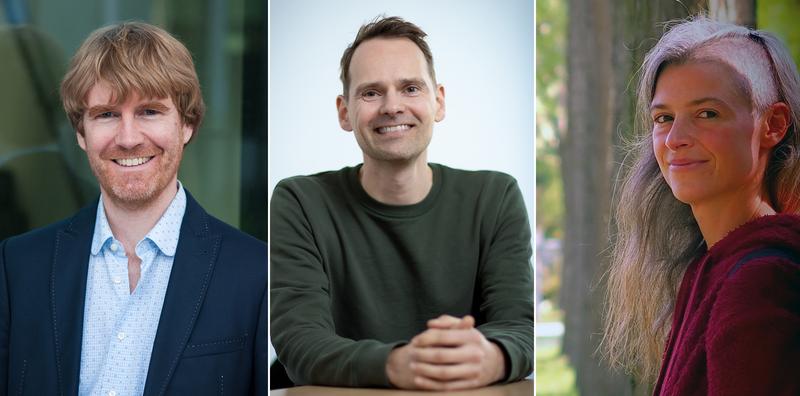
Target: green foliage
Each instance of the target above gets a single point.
(551, 38)
(549, 193)
(780, 17)
(554, 376)
(551, 25)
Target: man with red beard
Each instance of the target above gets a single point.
(142, 292)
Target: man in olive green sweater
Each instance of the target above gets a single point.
(399, 272)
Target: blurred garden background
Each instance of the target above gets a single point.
(587, 54)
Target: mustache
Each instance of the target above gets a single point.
(116, 152)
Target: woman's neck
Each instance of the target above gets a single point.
(717, 219)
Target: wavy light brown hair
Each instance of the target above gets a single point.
(385, 27)
(133, 57)
(657, 235)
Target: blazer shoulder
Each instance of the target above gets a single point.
(238, 238)
(197, 220)
(239, 251)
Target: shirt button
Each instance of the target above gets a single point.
(114, 248)
(112, 393)
(121, 335)
(117, 279)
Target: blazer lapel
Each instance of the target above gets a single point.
(68, 293)
(194, 263)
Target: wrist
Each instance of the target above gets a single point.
(392, 366)
(499, 360)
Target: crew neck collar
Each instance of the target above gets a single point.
(395, 211)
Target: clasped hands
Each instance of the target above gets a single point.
(451, 354)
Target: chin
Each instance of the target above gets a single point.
(132, 196)
(688, 195)
(389, 156)
(405, 154)
(135, 193)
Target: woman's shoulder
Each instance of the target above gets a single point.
(753, 330)
(767, 238)
(763, 283)
(760, 272)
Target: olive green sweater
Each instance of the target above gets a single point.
(352, 278)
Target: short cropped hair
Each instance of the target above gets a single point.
(133, 57)
(385, 27)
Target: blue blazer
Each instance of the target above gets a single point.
(212, 334)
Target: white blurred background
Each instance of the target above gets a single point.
(483, 55)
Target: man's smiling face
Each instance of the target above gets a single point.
(134, 146)
(393, 101)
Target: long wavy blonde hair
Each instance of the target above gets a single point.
(657, 236)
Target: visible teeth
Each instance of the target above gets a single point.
(395, 128)
(132, 161)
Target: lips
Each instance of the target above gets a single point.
(685, 163)
(393, 128)
(130, 162)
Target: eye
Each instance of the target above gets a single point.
(106, 114)
(150, 112)
(413, 90)
(370, 95)
(707, 114)
(662, 118)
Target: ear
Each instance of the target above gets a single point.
(774, 124)
(341, 108)
(188, 132)
(439, 103)
(81, 140)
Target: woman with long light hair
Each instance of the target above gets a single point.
(705, 260)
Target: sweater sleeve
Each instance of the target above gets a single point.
(506, 285)
(753, 336)
(302, 326)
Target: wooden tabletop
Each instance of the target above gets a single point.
(521, 388)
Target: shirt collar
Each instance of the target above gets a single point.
(164, 234)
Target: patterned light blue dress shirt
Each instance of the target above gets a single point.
(119, 327)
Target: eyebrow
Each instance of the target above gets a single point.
(413, 81)
(100, 109)
(364, 86)
(401, 82)
(657, 106)
(155, 105)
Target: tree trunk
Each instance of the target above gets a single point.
(740, 12)
(586, 166)
(607, 41)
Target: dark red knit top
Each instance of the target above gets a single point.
(736, 331)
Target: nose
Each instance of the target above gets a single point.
(679, 135)
(392, 104)
(129, 134)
